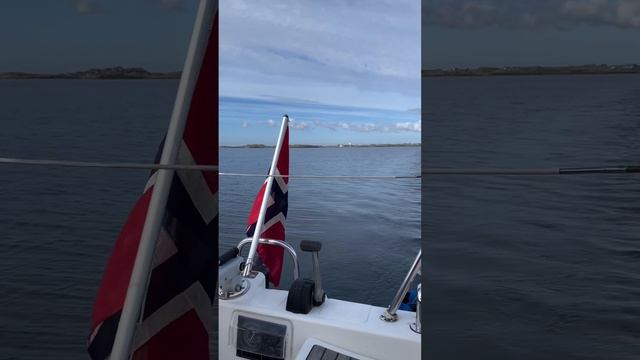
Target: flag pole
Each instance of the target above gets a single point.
(140, 275)
(265, 199)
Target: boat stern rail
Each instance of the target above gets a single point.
(391, 313)
(282, 244)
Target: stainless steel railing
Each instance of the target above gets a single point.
(282, 244)
(391, 313)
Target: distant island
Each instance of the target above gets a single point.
(535, 70)
(304, 146)
(117, 72)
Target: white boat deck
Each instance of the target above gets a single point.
(352, 329)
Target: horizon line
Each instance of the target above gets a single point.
(177, 72)
(259, 146)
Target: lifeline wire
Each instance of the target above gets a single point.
(65, 163)
(429, 172)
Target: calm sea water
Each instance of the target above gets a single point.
(58, 225)
(370, 229)
(532, 268)
(514, 267)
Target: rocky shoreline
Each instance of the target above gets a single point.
(117, 72)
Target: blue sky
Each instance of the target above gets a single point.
(257, 121)
(345, 53)
(346, 71)
(353, 53)
(355, 56)
(65, 35)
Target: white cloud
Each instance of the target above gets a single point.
(527, 14)
(299, 125)
(356, 52)
(409, 126)
(620, 13)
(84, 6)
(364, 127)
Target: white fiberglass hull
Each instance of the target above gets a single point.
(351, 329)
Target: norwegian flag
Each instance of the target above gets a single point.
(270, 255)
(177, 316)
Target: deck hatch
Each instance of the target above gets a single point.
(322, 353)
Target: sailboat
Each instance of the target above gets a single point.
(259, 322)
(140, 316)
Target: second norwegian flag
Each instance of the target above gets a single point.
(275, 210)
